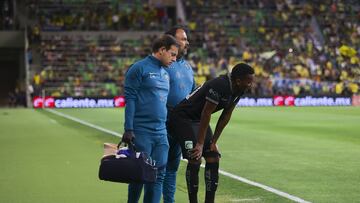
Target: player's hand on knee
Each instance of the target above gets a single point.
(196, 152)
(214, 148)
(128, 136)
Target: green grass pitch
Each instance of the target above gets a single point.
(309, 152)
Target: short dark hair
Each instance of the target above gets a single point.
(172, 31)
(240, 70)
(164, 41)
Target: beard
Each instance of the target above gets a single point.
(183, 51)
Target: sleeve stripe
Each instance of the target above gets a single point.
(212, 101)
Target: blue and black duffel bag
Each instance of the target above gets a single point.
(128, 166)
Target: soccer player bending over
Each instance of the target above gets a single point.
(189, 124)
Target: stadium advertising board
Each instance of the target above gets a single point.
(295, 101)
(119, 101)
(356, 100)
(78, 102)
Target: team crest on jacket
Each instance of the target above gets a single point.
(166, 77)
(153, 75)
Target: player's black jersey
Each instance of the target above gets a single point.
(217, 91)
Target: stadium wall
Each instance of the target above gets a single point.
(12, 39)
(12, 60)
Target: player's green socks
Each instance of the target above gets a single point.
(192, 180)
(211, 181)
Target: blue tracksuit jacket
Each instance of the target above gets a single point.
(146, 92)
(181, 81)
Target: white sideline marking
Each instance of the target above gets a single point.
(267, 188)
(84, 122)
(244, 180)
(245, 200)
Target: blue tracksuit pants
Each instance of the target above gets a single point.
(174, 156)
(157, 146)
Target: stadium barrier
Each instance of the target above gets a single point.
(296, 101)
(119, 101)
(356, 100)
(78, 102)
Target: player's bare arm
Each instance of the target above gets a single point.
(204, 124)
(222, 122)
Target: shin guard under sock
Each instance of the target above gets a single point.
(211, 181)
(192, 180)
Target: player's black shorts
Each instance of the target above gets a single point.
(186, 132)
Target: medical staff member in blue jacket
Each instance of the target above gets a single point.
(181, 84)
(146, 92)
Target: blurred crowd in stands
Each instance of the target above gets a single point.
(297, 47)
(68, 15)
(101, 63)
